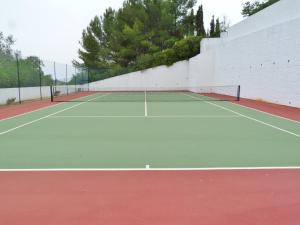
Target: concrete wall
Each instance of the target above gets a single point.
(280, 12)
(201, 69)
(27, 93)
(162, 77)
(31, 93)
(262, 54)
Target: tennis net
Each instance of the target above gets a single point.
(84, 93)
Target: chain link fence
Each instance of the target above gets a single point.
(27, 79)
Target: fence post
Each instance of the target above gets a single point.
(88, 79)
(75, 78)
(239, 93)
(67, 79)
(18, 74)
(54, 67)
(40, 74)
(51, 93)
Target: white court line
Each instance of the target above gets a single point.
(163, 116)
(146, 107)
(46, 107)
(248, 117)
(155, 169)
(23, 114)
(281, 117)
(49, 115)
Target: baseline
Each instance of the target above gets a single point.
(154, 169)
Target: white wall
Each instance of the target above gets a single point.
(31, 93)
(262, 54)
(201, 69)
(280, 12)
(162, 77)
(27, 93)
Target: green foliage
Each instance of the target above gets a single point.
(182, 50)
(251, 8)
(10, 101)
(5, 44)
(216, 27)
(140, 35)
(30, 71)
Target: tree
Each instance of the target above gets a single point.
(141, 34)
(200, 22)
(251, 8)
(178, 9)
(189, 24)
(91, 44)
(218, 28)
(6, 44)
(212, 27)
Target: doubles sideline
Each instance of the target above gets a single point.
(49, 115)
(247, 117)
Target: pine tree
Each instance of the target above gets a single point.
(200, 23)
(141, 34)
(90, 43)
(251, 8)
(178, 10)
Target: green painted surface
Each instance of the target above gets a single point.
(176, 134)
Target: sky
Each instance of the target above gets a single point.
(51, 29)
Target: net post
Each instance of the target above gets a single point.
(239, 93)
(51, 93)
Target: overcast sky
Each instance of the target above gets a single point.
(51, 29)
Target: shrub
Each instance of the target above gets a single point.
(10, 101)
(56, 93)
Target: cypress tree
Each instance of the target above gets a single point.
(192, 23)
(200, 23)
(212, 27)
(218, 28)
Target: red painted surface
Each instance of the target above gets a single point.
(150, 197)
(279, 110)
(288, 112)
(14, 110)
(25, 107)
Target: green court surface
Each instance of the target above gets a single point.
(123, 134)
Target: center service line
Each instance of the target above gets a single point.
(146, 108)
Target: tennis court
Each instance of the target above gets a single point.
(138, 157)
(139, 130)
